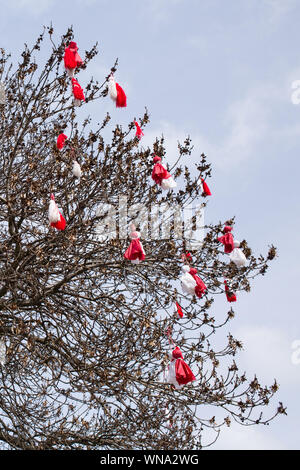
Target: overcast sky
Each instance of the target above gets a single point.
(223, 73)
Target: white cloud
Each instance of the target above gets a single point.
(248, 124)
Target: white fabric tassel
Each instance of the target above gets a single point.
(76, 170)
(70, 72)
(171, 374)
(199, 183)
(112, 89)
(77, 102)
(237, 256)
(54, 215)
(168, 183)
(188, 283)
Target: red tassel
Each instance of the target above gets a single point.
(179, 310)
(71, 58)
(231, 297)
(77, 90)
(61, 224)
(61, 141)
(139, 132)
(227, 239)
(121, 101)
(206, 189)
(135, 252)
(184, 375)
(200, 288)
(159, 172)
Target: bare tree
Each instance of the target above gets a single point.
(84, 329)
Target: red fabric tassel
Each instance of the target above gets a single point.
(61, 224)
(179, 310)
(139, 133)
(159, 173)
(227, 240)
(231, 297)
(184, 375)
(71, 58)
(121, 101)
(206, 189)
(77, 90)
(200, 287)
(134, 251)
(61, 141)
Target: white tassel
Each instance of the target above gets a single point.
(112, 89)
(237, 256)
(77, 102)
(168, 183)
(70, 72)
(54, 215)
(76, 170)
(171, 374)
(188, 283)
